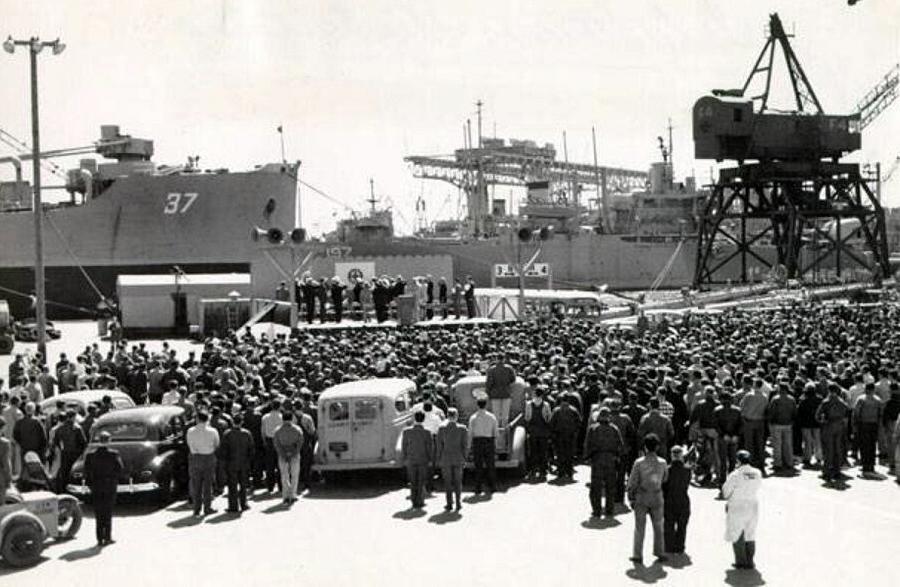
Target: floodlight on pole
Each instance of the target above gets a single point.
(35, 45)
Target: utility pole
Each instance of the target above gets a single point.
(35, 45)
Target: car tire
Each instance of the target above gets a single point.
(70, 517)
(23, 544)
(168, 489)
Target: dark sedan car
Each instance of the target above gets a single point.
(151, 442)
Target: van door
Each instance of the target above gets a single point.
(368, 430)
(336, 431)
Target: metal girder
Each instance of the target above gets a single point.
(879, 98)
(788, 201)
(500, 168)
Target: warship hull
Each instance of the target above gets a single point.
(201, 222)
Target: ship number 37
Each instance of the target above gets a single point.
(179, 203)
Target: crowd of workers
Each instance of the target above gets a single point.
(820, 382)
(332, 299)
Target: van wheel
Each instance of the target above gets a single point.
(22, 545)
(70, 517)
(6, 344)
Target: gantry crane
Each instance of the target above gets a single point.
(797, 193)
(515, 163)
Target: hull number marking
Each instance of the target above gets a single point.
(179, 203)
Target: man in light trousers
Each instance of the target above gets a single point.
(288, 441)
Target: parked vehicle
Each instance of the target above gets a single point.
(7, 332)
(26, 330)
(510, 447)
(79, 400)
(27, 520)
(360, 424)
(151, 442)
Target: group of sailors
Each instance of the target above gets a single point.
(329, 296)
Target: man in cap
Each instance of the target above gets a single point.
(497, 386)
(451, 451)
(677, 506)
(203, 442)
(537, 422)
(867, 416)
(742, 511)
(70, 441)
(237, 452)
(417, 450)
(604, 449)
(565, 422)
(483, 433)
(645, 493)
(102, 468)
(832, 415)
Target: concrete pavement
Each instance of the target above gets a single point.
(360, 531)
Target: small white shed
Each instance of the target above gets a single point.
(170, 302)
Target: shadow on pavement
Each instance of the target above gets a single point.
(76, 555)
(600, 523)
(445, 518)
(223, 517)
(679, 560)
(651, 574)
(185, 522)
(409, 514)
(477, 498)
(744, 578)
(561, 481)
(279, 507)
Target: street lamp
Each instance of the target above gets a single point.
(35, 45)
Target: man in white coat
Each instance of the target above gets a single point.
(742, 510)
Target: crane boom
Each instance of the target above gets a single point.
(879, 98)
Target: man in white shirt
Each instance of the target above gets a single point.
(171, 396)
(271, 421)
(202, 441)
(483, 432)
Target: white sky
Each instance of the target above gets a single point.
(359, 84)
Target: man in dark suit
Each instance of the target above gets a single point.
(565, 422)
(417, 450)
(604, 449)
(237, 452)
(677, 505)
(452, 448)
(102, 468)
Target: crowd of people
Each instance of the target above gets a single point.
(707, 394)
(360, 299)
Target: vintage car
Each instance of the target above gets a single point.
(361, 422)
(26, 330)
(79, 400)
(151, 442)
(510, 446)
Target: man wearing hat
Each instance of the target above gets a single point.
(102, 468)
(677, 502)
(537, 422)
(604, 449)
(832, 415)
(499, 379)
(70, 441)
(565, 422)
(417, 449)
(742, 510)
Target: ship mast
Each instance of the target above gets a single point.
(372, 199)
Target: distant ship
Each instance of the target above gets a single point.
(128, 215)
(638, 233)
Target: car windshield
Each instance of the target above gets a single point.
(122, 431)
